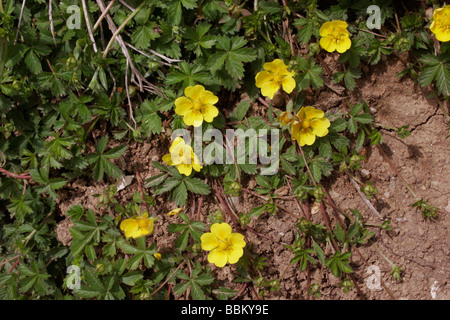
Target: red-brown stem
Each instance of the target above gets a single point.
(141, 191)
(240, 291)
(6, 261)
(308, 244)
(168, 291)
(307, 167)
(193, 205)
(264, 198)
(14, 175)
(14, 265)
(225, 206)
(263, 102)
(200, 203)
(252, 288)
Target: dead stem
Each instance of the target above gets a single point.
(20, 21)
(104, 13)
(130, 107)
(50, 18)
(363, 196)
(136, 76)
(88, 24)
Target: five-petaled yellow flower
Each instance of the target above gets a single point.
(196, 106)
(335, 36)
(183, 157)
(274, 76)
(309, 123)
(137, 226)
(224, 245)
(441, 23)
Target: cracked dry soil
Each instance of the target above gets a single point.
(420, 247)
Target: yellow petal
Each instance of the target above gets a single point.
(320, 127)
(343, 44)
(207, 97)
(328, 43)
(276, 66)
(443, 36)
(209, 112)
(128, 225)
(209, 241)
(185, 169)
(262, 77)
(218, 257)
(339, 24)
(182, 105)
(177, 144)
(310, 113)
(288, 84)
(194, 92)
(167, 158)
(193, 117)
(174, 211)
(235, 254)
(326, 29)
(221, 230)
(197, 167)
(237, 239)
(269, 89)
(306, 137)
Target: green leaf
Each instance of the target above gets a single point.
(197, 186)
(239, 112)
(435, 68)
(231, 55)
(142, 36)
(33, 63)
(319, 252)
(179, 194)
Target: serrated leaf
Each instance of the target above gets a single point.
(179, 194)
(197, 186)
(33, 63)
(239, 112)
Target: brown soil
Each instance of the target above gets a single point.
(417, 245)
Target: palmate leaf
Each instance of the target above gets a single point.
(311, 76)
(189, 75)
(435, 69)
(100, 160)
(140, 253)
(143, 35)
(197, 41)
(231, 55)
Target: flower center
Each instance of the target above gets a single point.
(225, 245)
(305, 124)
(143, 223)
(197, 106)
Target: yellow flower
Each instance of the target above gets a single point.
(310, 123)
(335, 36)
(174, 212)
(224, 245)
(157, 255)
(196, 106)
(276, 75)
(441, 23)
(183, 157)
(137, 226)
